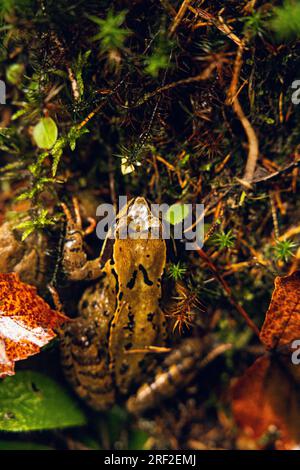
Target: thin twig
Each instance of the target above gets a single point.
(227, 289)
(74, 84)
(232, 98)
(178, 18)
(212, 355)
(219, 23)
(271, 176)
(204, 75)
(274, 215)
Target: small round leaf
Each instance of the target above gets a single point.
(176, 213)
(45, 133)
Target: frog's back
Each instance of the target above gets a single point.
(138, 323)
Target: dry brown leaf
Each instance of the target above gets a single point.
(267, 397)
(282, 322)
(26, 322)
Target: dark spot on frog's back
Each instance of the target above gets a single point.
(145, 274)
(131, 283)
(150, 317)
(130, 325)
(116, 278)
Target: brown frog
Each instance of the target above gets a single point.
(112, 346)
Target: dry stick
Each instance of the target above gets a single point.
(74, 84)
(253, 144)
(249, 7)
(73, 81)
(253, 151)
(101, 104)
(185, 81)
(227, 289)
(290, 233)
(218, 23)
(178, 18)
(274, 215)
(212, 355)
(290, 166)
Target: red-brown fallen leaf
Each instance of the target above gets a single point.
(266, 399)
(26, 322)
(267, 396)
(282, 322)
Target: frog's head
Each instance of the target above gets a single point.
(137, 221)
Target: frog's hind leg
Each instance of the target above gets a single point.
(176, 371)
(85, 363)
(75, 263)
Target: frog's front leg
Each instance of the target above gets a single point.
(75, 263)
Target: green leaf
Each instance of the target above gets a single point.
(56, 153)
(137, 440)
(110, 33)
(78, 69)
(115, 421)
(284, 250)
(45, 133)
(74, 134)
(31, 401)
(26, 233)
(16, 445)
(14, 73)
(176, 213)
(156, 62)
(286, 20)
(177, 270)
(17, 114)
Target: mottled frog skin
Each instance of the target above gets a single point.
(110, 350)
(106, 349)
